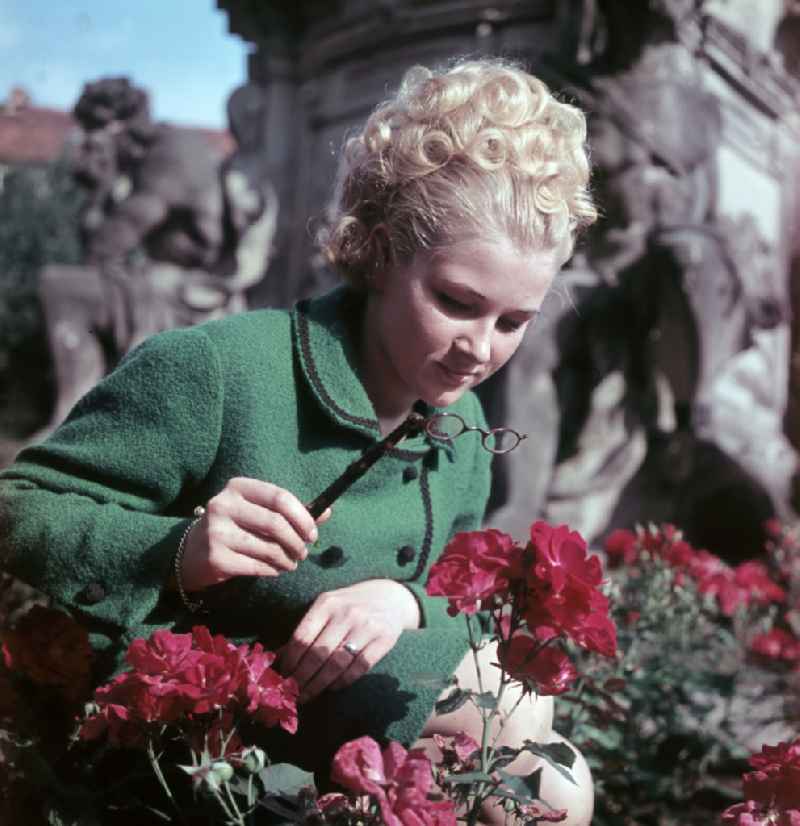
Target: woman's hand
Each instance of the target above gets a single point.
(250, 528)
(367, 617)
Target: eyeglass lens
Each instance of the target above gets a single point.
(500, 440)
(445, 426)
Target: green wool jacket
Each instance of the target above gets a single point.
(93, 516)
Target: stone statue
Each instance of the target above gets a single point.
(655, 388)
(173, 233)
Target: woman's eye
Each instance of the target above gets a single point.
(453, 303)
(510, 325)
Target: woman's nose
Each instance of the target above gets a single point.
(476, 342)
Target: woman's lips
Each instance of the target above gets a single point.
(457, 376)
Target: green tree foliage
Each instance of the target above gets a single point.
(38, 226)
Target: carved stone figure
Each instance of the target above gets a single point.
(173, 234)
(659, 388)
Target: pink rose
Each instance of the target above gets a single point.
(622, 548)
(777, 644)
(397, 779)
(473, 567)
(358, 766)
(543, 668)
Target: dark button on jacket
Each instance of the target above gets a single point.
(93, 593)
(406, 554)
(332, 557)
(410, 473)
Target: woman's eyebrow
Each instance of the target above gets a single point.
(481, 297)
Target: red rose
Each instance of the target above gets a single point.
(50, 648)
(622, 548)
(272, 698)
(748, 813)
(178, 678)
(754, 577)
(777, 644)
(114, 716)
(358, 766)
(561, 556)
(776, 779)
(563, 597)
(540, 667)
(577, 611)
(704, 564)
(537, 813)
(397, 779)
(464, 746)
(164, 653)
(474, 566)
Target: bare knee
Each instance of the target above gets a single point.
(576, 796)
(522, 717)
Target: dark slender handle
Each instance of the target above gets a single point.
(354, 471)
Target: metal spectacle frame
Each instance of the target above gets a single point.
(443, 427)
(448, 426)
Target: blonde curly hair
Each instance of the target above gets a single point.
(479, 150)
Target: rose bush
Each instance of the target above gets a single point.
(706, 666)
(169, 737)
(536, 600)
(772, 789)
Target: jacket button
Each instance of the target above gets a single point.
(410, 473)
(406, 554)
(332, 557)
(91, 594)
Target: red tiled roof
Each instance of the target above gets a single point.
(33, 135)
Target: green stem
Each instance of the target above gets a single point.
(158, 773)
(502, 722)
(483, 789)
(239, 818)
(232, 817)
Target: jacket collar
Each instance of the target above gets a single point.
(325, 334)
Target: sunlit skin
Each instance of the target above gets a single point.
(448, 320)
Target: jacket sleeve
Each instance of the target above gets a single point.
(82, 515)
(475, 497)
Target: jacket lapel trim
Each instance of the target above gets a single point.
(316, 321)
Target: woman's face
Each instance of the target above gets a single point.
(448, 320)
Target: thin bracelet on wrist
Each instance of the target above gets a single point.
(177, 563)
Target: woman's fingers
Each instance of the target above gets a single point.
(278, 500)
(266, 525)
(335, 643)
(363, 662)
(250, 528)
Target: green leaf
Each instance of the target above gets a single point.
(525, 786)
(485, 700)
(503, 756)
(468, 777)
(453, 701)
(558, 755)
(285, 779)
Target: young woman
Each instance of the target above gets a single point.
(455, 208)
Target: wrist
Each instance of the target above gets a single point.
(177, 564)
(409, 606)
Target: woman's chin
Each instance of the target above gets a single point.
(444, 398)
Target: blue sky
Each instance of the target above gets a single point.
(178, 50)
